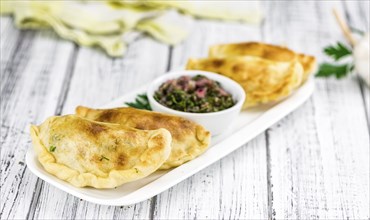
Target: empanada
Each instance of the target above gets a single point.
(101, 155)
(266, 51)
(262, 80)
(189, 139)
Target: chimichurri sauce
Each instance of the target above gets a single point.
(197, 94)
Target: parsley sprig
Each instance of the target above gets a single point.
(339, 71)
(141, 102)
(337, 52)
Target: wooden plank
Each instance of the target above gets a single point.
(98, 79)
(357, 14)
(9, 42)
(233, 188)
(9, 38)
(31, 83)
(236, 186)
(317, 154)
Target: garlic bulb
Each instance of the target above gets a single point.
(362, 58)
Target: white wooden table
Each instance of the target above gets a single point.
(314, 164)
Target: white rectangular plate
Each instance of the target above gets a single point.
(249, 124)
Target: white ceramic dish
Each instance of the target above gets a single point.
(215, 122)
(247, 126)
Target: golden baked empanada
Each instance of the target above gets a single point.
(262, 80)
(266, 51)
(102, 155)
(308, 64)
(189, 139)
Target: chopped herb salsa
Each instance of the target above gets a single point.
(197, 94)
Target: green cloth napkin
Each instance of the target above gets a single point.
(106, 23)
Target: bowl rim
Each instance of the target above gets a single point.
(214, 76)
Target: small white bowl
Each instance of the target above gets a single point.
(215, 122)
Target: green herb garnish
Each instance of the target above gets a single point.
(52, 148)
(337, 51)
(103, 158)
(141, 102)
(339, 71)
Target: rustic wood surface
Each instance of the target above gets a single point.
(313, 164)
